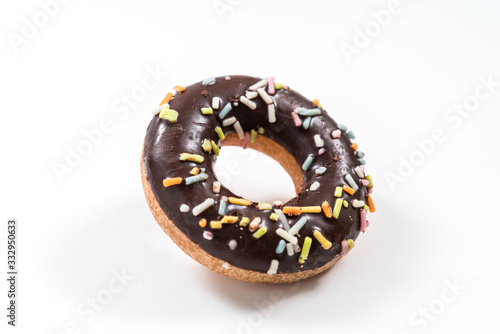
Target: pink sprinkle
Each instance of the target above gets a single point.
(365, 182)
(362, 167)
(208, 235)
(270, 85)
(367, 223)
(370, 190)
(228, 78)
(246, 140)
(336, 133)
(321, 151)
(345, 247)
(296, 119)
(362, 226)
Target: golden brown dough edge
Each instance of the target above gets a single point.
(209, 261)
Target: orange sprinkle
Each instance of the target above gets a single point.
(172, 182)
(195, 171)
(326, 209)
(348, 190)
(370, 204)
(292, 210)
(354, 146)
(315, 102)
(179, 88)
(203, 222)
(167, 98)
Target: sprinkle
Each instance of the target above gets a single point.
(260, 232)
(264, 96)
(296, 119)
(169, 114)
(227, 77)
(283, 219)
(348, 190)
(229, 219)
(229, 121)
(203, 206)
(273, 268)
(227, 108)
(244, 221)
(172, 181)
(362, 168)
(336, 133)
(254, 224)
(253, 136)
(179, 89)
(370, 180)
(246, 140)
(167, 98)
(250, 104)
(226, 265)
(370, 191)
(320, 170)
(305, 250)
(208, 235)
(362, 225)
(345, 247)
(315, 102)
(307, 112)
(216, 224)
(191, 157)
(157, 110)
(281, 247)
(258, 85)
(239, 201)
(308, 162)
(289, 249)
(207, 111)
(260, 130)
(220, 133)
(338, 192)
(292, 210)
(202, 222)
(371, 206)
(350, 243)
(216, 102)
(318, 141)
(366, 208)
(296, 248)
(184, 208)
(351, 182)
(206, 146)
(270, 85)
(239, 130)
(251, 95)
(196, 178)
(307, 123)
(215, 148)
(274, 216)
(351, 134)
(362, 161)
(232, 244)
(326, 209)
(285, 235)
(264, 206)
(298, 225)
(278, 203)
(208, 81)
(360, 154)
(222, 205)
(278, 86)
(342, 127)
(314, 186)
(357, 204)
(359, 172)
(194, 171)
(345, 203)
(322, 240)
(354, 146)
(216, 187)
(310, 209)
(337, 207)
(365, 182)
(271, 113)
(321, 151)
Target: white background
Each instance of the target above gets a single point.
(436, 226)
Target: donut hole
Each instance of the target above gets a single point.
(263, 172)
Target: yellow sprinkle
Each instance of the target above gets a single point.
(203, 222)
(305, 250)
(206, 146)
(216, 224)
(264, 206)
(346, 204)
(260, 232)
(260, 130)
(244, 221)
(366, 208)
(220, 133)
(274, 216)
(350, 243)
(337, 207)
(322, 240)
(278, 85)
(311, 209)
(195, 171)
(207, 111)
(239, 201)
(215, 148)
(229, 219)
(338, 192)
(191, 157)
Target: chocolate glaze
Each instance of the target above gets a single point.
(165, 140)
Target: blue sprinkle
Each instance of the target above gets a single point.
(351, 134)
(208, 81)
(362, 161)
(281, 247)
(308, 162)
(223, 205)
(203, 169)
(298, 225)
(196, 178)
(306, 123)
(227, 108)
(361, 154)
(351, 182)
(308, 112)
(342, 127)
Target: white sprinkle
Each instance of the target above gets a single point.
(251, 95)
(289, 249)
(264, 96)
(216, 102)
(203, 206)
(359, 172)
(254, 224)
(232, 244)
(226, 265)
(239, 130)
(273, 268)
(250, 104)
(227, 77)
(235, 103)
(229, 121)
(258, 85)
(283, 219)
(318, 141)
(285, 235)
(278, 203)
(208, 235)
(320, 170)
(358, 204)
(184, 208)
(314, 186)
(157, 110)
(216, 187)
(271, 113)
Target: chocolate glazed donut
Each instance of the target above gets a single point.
(257, 242)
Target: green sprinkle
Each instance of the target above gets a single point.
(338, 192)
(342, 127)
(253, 136)
(260, 130)
(274, 216)
(306, 123)
(370, 180)
(278, 85)
(366, 208)
(191, 157)
(351, 134)
(346, 204)
(220, 133)
(306, 247)
(169, 114)
(244, 221)
(215, 148)
(207, 147)
(337, 207)
(260, 232)
(308, 162)
(207, 111)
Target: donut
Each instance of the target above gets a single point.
(233, 236)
